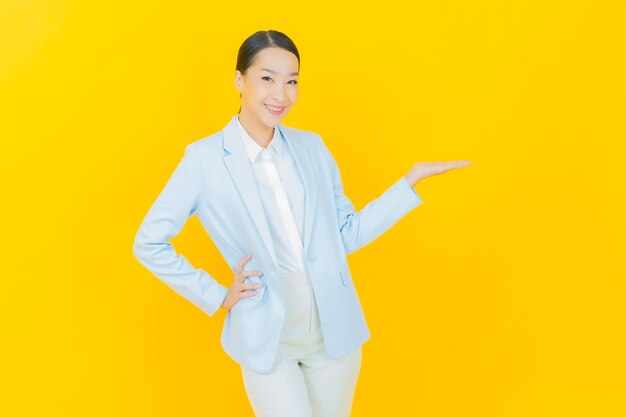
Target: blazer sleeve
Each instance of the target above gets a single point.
(358, 228)
(178, 200)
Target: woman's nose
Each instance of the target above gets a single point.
(279, 93)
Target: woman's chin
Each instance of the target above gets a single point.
(273, 121)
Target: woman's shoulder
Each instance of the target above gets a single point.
(210, 143)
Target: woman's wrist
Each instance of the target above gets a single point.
(411, 179)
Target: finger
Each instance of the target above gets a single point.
(453, 164)
(251, 272)
(251, 286)
(462, 163)
(243, 261)
(247, 293)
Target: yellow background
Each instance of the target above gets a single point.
(501, 295)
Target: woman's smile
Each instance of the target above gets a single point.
(274, 110)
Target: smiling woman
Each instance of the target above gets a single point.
(295, 325)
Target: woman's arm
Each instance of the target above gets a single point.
(358, 228)
(177, 201)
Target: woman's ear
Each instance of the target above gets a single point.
(238, 81)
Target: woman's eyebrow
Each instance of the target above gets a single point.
(274, 72)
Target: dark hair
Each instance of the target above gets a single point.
(258, 41)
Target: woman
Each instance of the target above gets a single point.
(271, 199)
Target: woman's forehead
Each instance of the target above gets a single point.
(277, 61)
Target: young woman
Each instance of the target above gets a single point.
(271, 198)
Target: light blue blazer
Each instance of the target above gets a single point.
(215, 180)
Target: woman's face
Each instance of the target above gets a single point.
(270, 87)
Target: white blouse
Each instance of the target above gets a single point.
(282, 194)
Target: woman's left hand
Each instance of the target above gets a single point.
(426, 169)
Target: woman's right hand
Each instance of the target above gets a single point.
(236, 290)
(426, 169)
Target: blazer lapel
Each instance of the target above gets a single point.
(304, 164)
(238, 165)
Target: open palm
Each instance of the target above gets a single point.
(426, 169)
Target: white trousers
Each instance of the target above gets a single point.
(305, 381)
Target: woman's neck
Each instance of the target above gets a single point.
(259, 133)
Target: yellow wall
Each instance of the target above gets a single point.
(502, 295)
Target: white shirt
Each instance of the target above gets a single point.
(282, 195)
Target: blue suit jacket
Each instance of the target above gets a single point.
(214, 180)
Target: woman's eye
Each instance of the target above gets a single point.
(267, 78)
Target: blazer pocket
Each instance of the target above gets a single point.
(260, 292)
(346, 275)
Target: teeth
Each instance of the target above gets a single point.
(274, 108)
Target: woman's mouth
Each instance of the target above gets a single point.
(274, 110)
